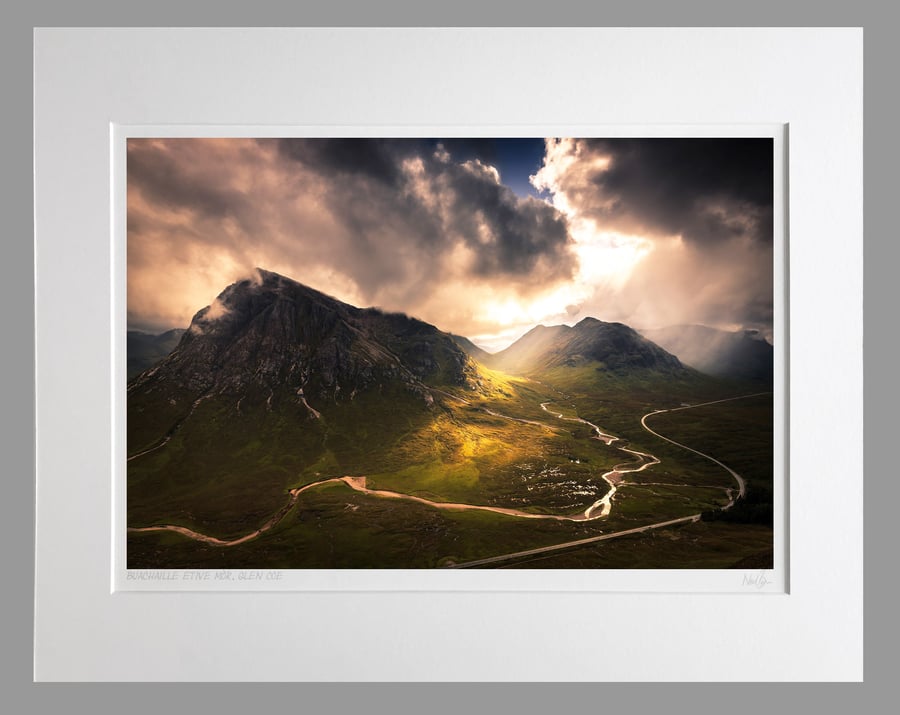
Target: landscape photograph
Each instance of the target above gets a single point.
(450, 353)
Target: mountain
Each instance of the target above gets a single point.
(472, 350)
(145, 349)
(271, 345)
(280, 339)
(613, 348)
(743, 354)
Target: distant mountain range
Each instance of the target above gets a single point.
(145, 349)
(743, 354)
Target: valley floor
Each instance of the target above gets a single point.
(678, 501)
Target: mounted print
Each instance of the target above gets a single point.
(451, 353)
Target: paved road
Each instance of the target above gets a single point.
(579, 542)
(214, 541)
(742, 485)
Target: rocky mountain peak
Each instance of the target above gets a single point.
(268, 334)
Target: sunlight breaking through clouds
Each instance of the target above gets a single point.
(647, 232)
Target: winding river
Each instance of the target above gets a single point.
(612, 477)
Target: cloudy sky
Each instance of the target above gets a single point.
(481, 237)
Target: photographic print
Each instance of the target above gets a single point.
(450, 353)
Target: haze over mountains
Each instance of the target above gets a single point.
(743, 354)
(616, 347)
(145, 350)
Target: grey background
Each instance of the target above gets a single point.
(17, 433)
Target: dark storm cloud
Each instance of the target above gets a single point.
(170, 179)
(705, 190)
(395, 223)
(687, 168)
(649, 232)
(373, 158)
(510, 235)
(704, 209)
(431, 202)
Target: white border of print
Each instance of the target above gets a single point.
(87, 78)
(657, 580)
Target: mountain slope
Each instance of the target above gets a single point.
(743, 355)
(472, 350)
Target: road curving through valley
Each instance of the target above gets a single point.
(597, 510)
